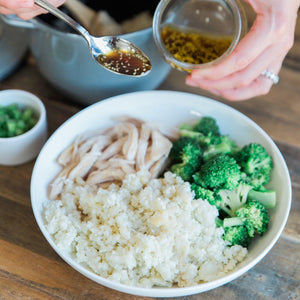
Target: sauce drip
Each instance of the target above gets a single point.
(194, 47)
(125, 62)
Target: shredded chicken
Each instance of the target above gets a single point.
(103, 157)
(142, 146)
(159, 146)
(100, 176)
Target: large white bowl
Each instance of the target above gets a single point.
(166, 108)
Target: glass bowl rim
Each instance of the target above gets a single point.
(240, 30)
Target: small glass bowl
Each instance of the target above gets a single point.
(215, 18)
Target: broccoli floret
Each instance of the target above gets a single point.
(202, 193)
(231, 200)
(219, 172)
(253, 215)
(258, 180)
(177, 146)
(204, 140)
(185, 171)
(256, 163)
(206, 131)
(208, 126)
(191, 154)
(190, 158)
(190, 133)
(236, 235)
(223, 144)
(176, 151)
(266, 197)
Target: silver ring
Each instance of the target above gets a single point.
(270, 75)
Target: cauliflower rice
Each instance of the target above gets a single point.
(148, 232)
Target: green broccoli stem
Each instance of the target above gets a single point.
(266, 197)
(215, 149)
(195, 135)
(219, 222)
(233, 221)
(186, 126)
(184, 131)
(232, 200)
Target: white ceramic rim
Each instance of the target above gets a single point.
(164, 292)
(33, 99)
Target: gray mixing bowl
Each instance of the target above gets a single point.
(13, 47)
(64, 60)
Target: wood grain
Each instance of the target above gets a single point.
(49, 277)
(30, 269)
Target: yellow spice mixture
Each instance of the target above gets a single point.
(194, 48)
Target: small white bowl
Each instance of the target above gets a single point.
(164, 108)
(23, 148)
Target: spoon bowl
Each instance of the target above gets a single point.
(113, 53)
(119, 56)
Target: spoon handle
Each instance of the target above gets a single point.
(59, 14)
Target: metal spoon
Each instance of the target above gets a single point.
(113, 53)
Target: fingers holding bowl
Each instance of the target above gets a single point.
(240, 78)
(261, 51)
(25, 10)
(260, 86)
(246, 52)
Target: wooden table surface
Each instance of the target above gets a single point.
(30, 269)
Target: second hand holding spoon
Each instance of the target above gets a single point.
(113, 53)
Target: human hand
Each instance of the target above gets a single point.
(24, 9)
(263, 48)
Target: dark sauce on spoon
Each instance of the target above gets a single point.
(125, 62)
